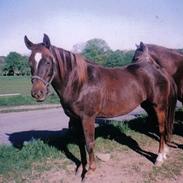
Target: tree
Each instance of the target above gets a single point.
(119, 58)
(2, 61)
(78, 48)
(96, 50)
(16, 64)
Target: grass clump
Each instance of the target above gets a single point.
(26, 100)
(13, 159)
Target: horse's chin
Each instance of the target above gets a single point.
(41, 99)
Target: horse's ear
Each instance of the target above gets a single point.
(46, 41)
(137, 46)
(28, 43)
(142, 46)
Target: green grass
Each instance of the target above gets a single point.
(22, 85)
(37, 156)
(14, 162)
(15, 84)
(17, 163)
(26, 100)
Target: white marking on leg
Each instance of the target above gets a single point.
(165, 152)
(160, 157)
(37, 57)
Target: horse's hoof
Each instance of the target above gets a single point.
(160, 159)
(92, 167)
(158, 163)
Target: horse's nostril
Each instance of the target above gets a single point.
(37, 94)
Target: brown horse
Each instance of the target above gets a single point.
(169, 59)
(87, 90)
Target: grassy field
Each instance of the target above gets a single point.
(21, 85)
(15, 84)
(53, 159)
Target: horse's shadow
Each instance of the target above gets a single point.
(61, 139)
(178, 126)
(146, 126)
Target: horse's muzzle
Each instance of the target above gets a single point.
(39, 95)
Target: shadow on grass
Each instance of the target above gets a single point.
(146, 127)
(178, 126)
(61, 139)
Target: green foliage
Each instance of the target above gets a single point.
(180, 50)
(96, 50)
(119, 58)
(2, 60)
(16, 64)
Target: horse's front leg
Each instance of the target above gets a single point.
(75, 126)
(163, 149)
(89, 132)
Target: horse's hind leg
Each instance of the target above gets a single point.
(152, 118)
(89, 132)
(163, 149)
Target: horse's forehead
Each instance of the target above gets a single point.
(39, 50)
(38, 56)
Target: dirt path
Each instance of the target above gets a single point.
(40, 120)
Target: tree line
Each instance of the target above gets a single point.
(96, 50)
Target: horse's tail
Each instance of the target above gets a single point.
(172, 99)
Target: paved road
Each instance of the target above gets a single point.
(16, 124)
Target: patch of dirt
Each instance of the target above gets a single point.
(124, 167)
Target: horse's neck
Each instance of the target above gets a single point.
(158, 52)
(169, 59)
(65, 73)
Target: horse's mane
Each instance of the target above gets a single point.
(81, 67)
(68, 61)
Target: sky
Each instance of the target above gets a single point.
(121, 23)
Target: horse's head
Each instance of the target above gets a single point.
(42, 65)
(142, 55)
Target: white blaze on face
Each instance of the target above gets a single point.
(37, 58)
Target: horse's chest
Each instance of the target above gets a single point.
(68, 110)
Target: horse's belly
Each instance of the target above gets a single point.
(118, 109)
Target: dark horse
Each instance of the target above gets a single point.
(87, 90)
(169, 59)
